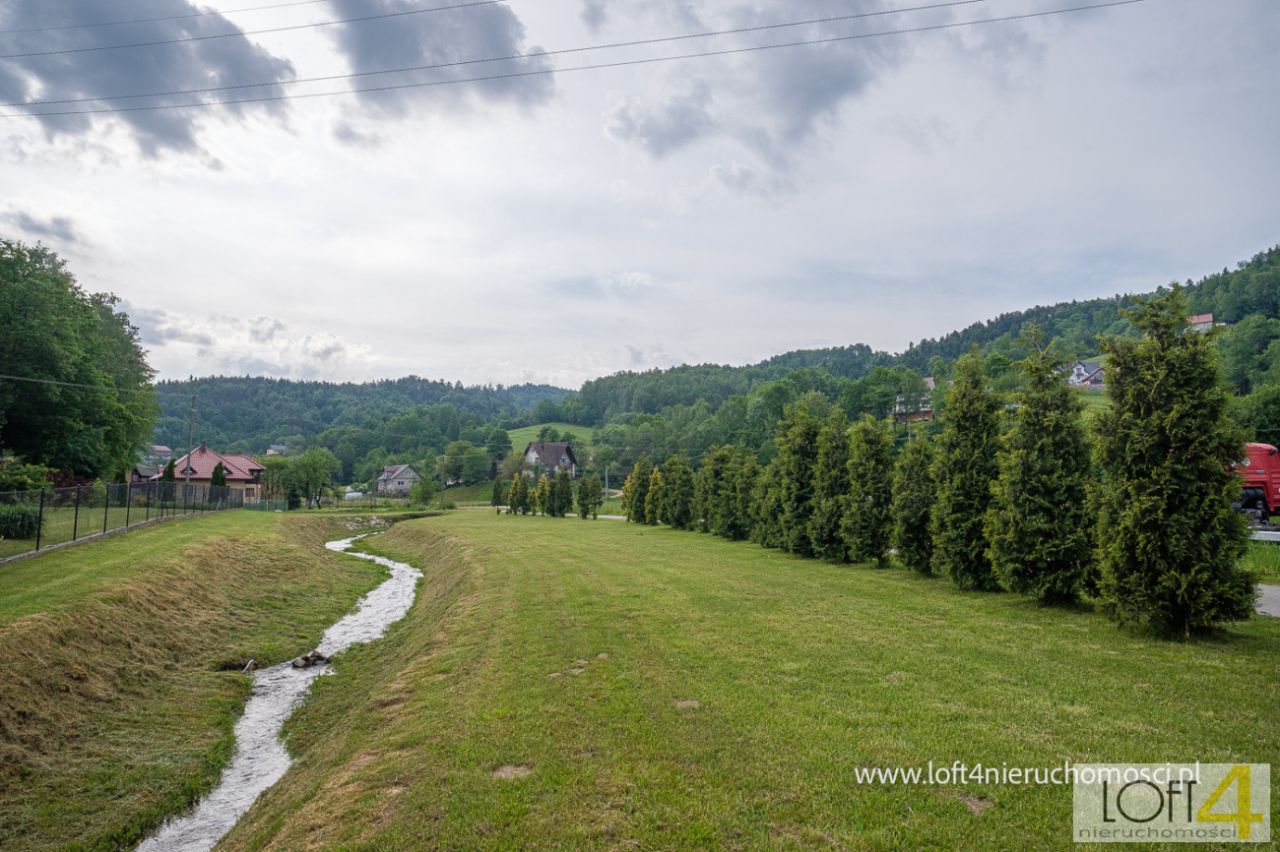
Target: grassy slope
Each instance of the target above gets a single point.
(522, 437)
(803, 671)
(479, 493)
(114, 711)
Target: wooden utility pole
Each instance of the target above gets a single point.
(191, 425)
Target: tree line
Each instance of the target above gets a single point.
(87, 403)
(552, 496)
(1012, 493)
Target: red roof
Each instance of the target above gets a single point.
(239, 467)
(1201, 319)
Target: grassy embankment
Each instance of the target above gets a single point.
(120, 664)
(541, 693)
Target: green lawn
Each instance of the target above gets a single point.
(1263, 558)
(62, 524)
(522, 437)
(120, 664)
(541, 693)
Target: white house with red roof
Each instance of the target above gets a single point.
(243, 471)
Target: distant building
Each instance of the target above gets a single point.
(904, 412)
(1200, 323)
(276, 450)
(397, 480)
(550, 457)
(1084, 374)
(243, 471)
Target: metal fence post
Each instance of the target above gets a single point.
(106, 506)
(75, 521)
(128, 502)
(146, 514)
(40, 522)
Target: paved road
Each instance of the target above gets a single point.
(1269, 600)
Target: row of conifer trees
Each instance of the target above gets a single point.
(1015, 494)
(552, 496)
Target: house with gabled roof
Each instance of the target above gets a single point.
(397, 480)
(550, 457)
(1086, 374)
(243, 471)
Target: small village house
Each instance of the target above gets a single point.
(550, 457)
(243, 471)
(922, 410)
(397, 480)
(1084, 374)
(1200, 323)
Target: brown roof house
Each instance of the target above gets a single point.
(397, 480)
(243, 471)
(550, 458)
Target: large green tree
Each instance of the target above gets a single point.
(830, 489)
(590, 496)
(1040, 525)
(84, 402)
(635, 491)
(312, 472)
(914, 493)
(678, 493)
(1169, 541)
(797, 443)
(868, 521)
(964, 470)
(655, 498)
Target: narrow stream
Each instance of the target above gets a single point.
(261, 759)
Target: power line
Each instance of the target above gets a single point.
(595, 67)
(188, 16)
(511, 57)
(241, 33)
(149, 388)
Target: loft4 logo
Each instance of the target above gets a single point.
(1172, 803)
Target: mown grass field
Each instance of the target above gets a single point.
(120, 665)
(568, 684)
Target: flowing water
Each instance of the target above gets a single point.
(261, 759)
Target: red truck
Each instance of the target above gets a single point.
(1261, 478)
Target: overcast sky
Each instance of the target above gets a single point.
(559, 227)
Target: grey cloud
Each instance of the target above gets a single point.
(59, 228)
(745, 180)
(323, 348)
(264, 329)
(157, 327)
(345, 133)
(662, 129)
(440, 37)
(593, 14)
(100, 74)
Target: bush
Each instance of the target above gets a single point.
(19, 521)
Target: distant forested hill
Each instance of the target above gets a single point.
(248, 413)
(1250, 292)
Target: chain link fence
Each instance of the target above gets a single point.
(36, 520)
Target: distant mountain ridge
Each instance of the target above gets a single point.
(249, 413)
